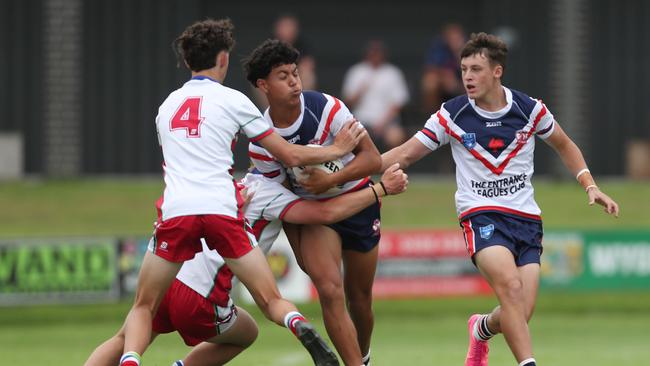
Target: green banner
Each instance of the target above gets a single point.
(62, 270)
(596, 260)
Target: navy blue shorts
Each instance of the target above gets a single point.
(360, 232)
(522, 237)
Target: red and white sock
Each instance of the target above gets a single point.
(290, 320)
(130, 359)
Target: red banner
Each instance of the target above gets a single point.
(422, 243)
(410, 287)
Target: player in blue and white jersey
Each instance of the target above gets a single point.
(491, 131)
(309, 117)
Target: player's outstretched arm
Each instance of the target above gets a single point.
(294, 155)
(405, 154)
(574, 161)
(393, 181)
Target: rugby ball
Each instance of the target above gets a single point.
(328, 167)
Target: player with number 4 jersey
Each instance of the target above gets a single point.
(197, 128)
(198, 304)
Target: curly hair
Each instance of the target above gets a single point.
(201, 42)
(487, 45)
(271, 53)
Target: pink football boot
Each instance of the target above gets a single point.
(477, 352)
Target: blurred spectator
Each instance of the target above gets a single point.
(287, 29)
(441, 79)
(376, 91)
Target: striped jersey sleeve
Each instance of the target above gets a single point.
(543, 120)
(266, 163)
(433, 135)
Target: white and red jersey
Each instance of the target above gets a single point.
(207, 273)
(197, 128)
(270, 202)
(321, 118)
(493, 152)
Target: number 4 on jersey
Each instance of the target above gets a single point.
(188, 117)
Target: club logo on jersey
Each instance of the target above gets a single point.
(486, 231)
(496, 144)
(493, 124)
(164, 245)
(521, 136)
(469, 140)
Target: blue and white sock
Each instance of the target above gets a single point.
(528, 362)
(481, 331)
(178, 363)
(366, 359)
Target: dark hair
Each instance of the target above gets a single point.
(487, 45)
(271, 53)
(201, 42)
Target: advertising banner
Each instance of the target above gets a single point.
(55, 271)
(595, 260)
(424, 263)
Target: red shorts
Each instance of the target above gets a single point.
(179, 238)
(194, 317)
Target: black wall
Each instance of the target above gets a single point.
(129, 68)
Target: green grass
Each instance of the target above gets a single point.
(126, 207)
(568, 329)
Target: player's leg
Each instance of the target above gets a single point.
(360, 268)
(530, 278)
(254, 272)
(321, 253)
(232, 239)
(156, 274)
(497, 265)
(108, 353)
(175, 241)
(292, 231)
(224, 347)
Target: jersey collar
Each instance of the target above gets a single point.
(288, 131)
(494, 114)
(203, 77)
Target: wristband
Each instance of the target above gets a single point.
(587, 188)
(583, 171)
(375, 193)
(383, 187)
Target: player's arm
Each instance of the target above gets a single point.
(341, 207)
(405, 154)
(294, 155)
(574, 161)
(367, 161)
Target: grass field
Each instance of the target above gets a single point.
(595, 329)
(568, 329)
(118, 207)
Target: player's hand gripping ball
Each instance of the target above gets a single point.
(327, 167)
